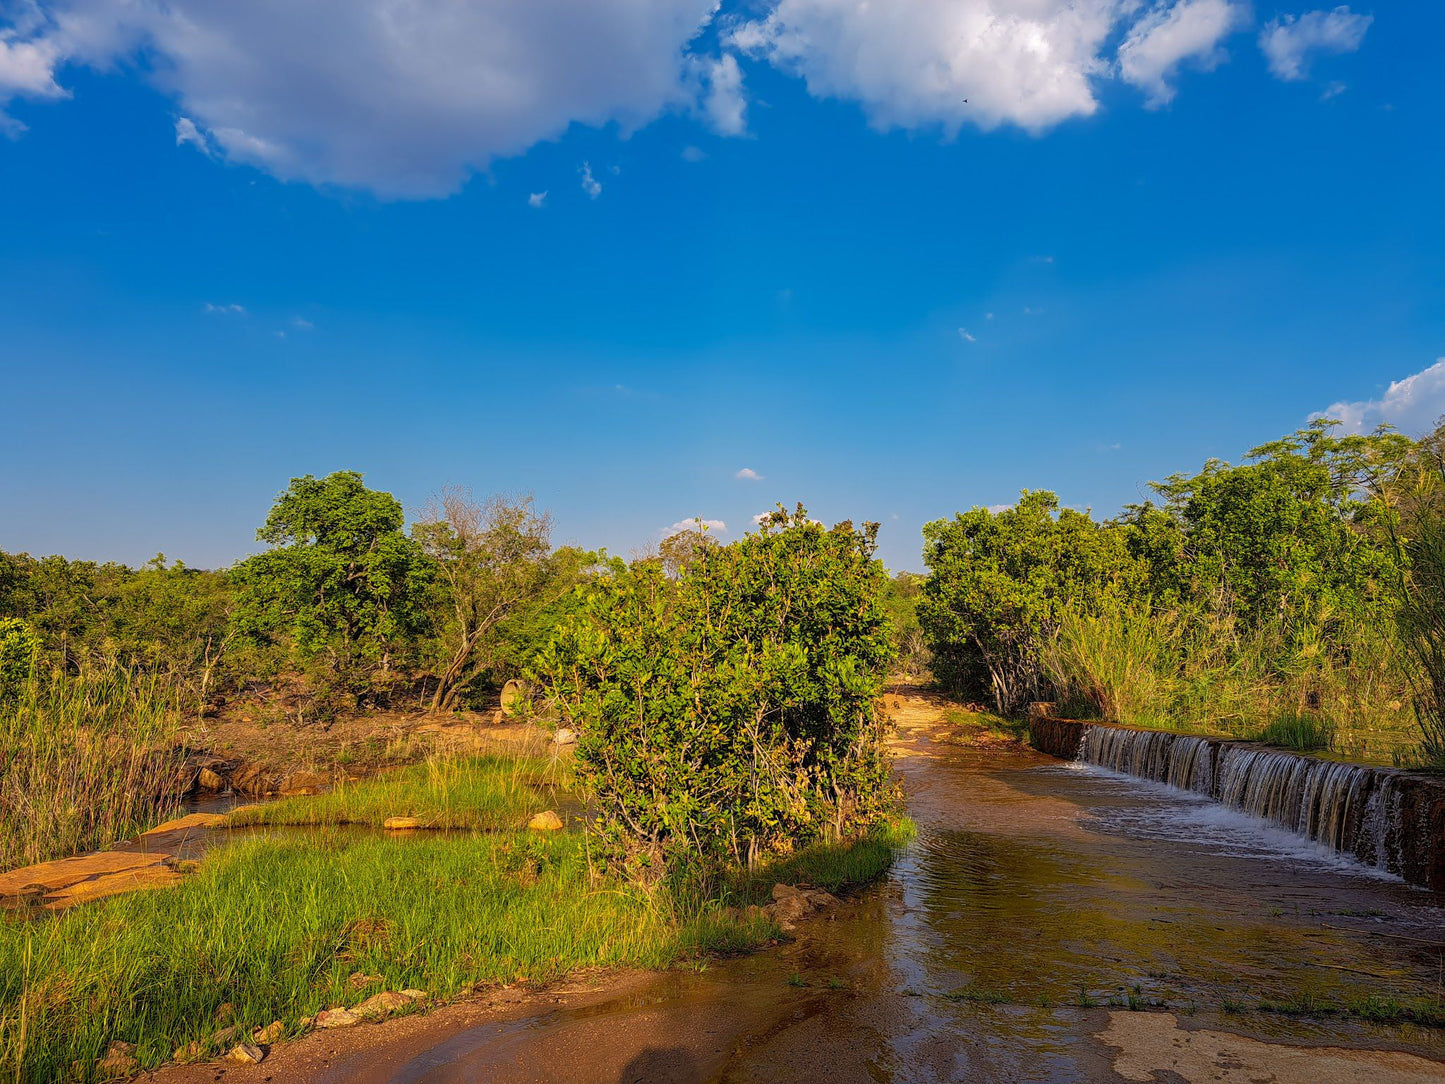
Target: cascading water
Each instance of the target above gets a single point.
(1392, 820)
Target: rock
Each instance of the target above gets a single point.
(788, 910)
(783, 892)
(119, 1061)
(820, 899)
(415, 995)
(499, 717)
(269, 1034)
(359, 981)
(547, 821)
(209, 780)
(336, 1018)
(305, 1023)
(564, 736)
(305, 783)
(192, 1051)
(246, 1053)
(382, 1004)
(514, 697)
(400, 824)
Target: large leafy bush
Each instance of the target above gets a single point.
(730, 710)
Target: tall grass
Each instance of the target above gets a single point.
(275, 927)
(1345, 682)
(1422, 598)
(83, 762)
(477, 792)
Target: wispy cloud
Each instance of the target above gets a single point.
(232, 309)
(693, 154)
(300, 323)
(188, 134)
(1168, 36)
(537, 200)
(1288, 40)
(747, 474)
(590, 184)
(1412, 405)
(966, 335)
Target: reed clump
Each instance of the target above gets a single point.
(85, 760)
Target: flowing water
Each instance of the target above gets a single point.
(1043, 903)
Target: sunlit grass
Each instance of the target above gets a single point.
(443, 792)
(84, 763)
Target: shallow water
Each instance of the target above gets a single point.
(1037, 893)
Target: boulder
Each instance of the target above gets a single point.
(305, 783)
(246, 1053)
(382, 1005)
(547, 821)
(400, 824)
(269, 1034)
(336, 1018)
(119, 1061)
(209, 780)
(565, 736)
(784, 892)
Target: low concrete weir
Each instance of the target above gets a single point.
(1386, 818)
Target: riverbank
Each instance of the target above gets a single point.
(321, 909)
(1048, 924)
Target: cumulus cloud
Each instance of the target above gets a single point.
(723, 104)
(590, 184)
(1288, 41)
(911, 65)
(1168, 36)
(405, 99)
(1412, 405)
(536, 200)
(709, 526)
(747, 474)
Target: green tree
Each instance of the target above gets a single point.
(731, 711)
(342, 585)
(493, 558)
(997, 583)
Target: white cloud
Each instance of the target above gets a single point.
(300, 323)
(225, 310)
(1412, 405)
(590, 184)
(1288, 41)
(697, 523)
(402, 98)
(759, 517)
(963, 333)
(747, 474)
(1166, 37)
(723, 104)
(1334, 90)
(536, 200)
(188, 133)
(911, 65)
(693, 154)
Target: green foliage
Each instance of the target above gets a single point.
(1301, 731)
(730, 712)
(901, 596)
(343, 586)
(83, 762)
(19, 650)
(998, 583)
(1421, 589)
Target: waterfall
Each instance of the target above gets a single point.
(1384, 818)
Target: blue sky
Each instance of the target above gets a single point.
(773, 237)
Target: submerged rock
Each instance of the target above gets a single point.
(547, 821)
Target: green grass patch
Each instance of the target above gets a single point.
(482, 792)
(274, 927)
(1300, 731)
(836, 866)
(969, 719)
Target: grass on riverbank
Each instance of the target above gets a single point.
(81, 764)
(275, 926)
(442, 792)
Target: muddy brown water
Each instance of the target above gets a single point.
(1037, 894)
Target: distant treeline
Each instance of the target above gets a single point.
(347, 608)
(1281, 595)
